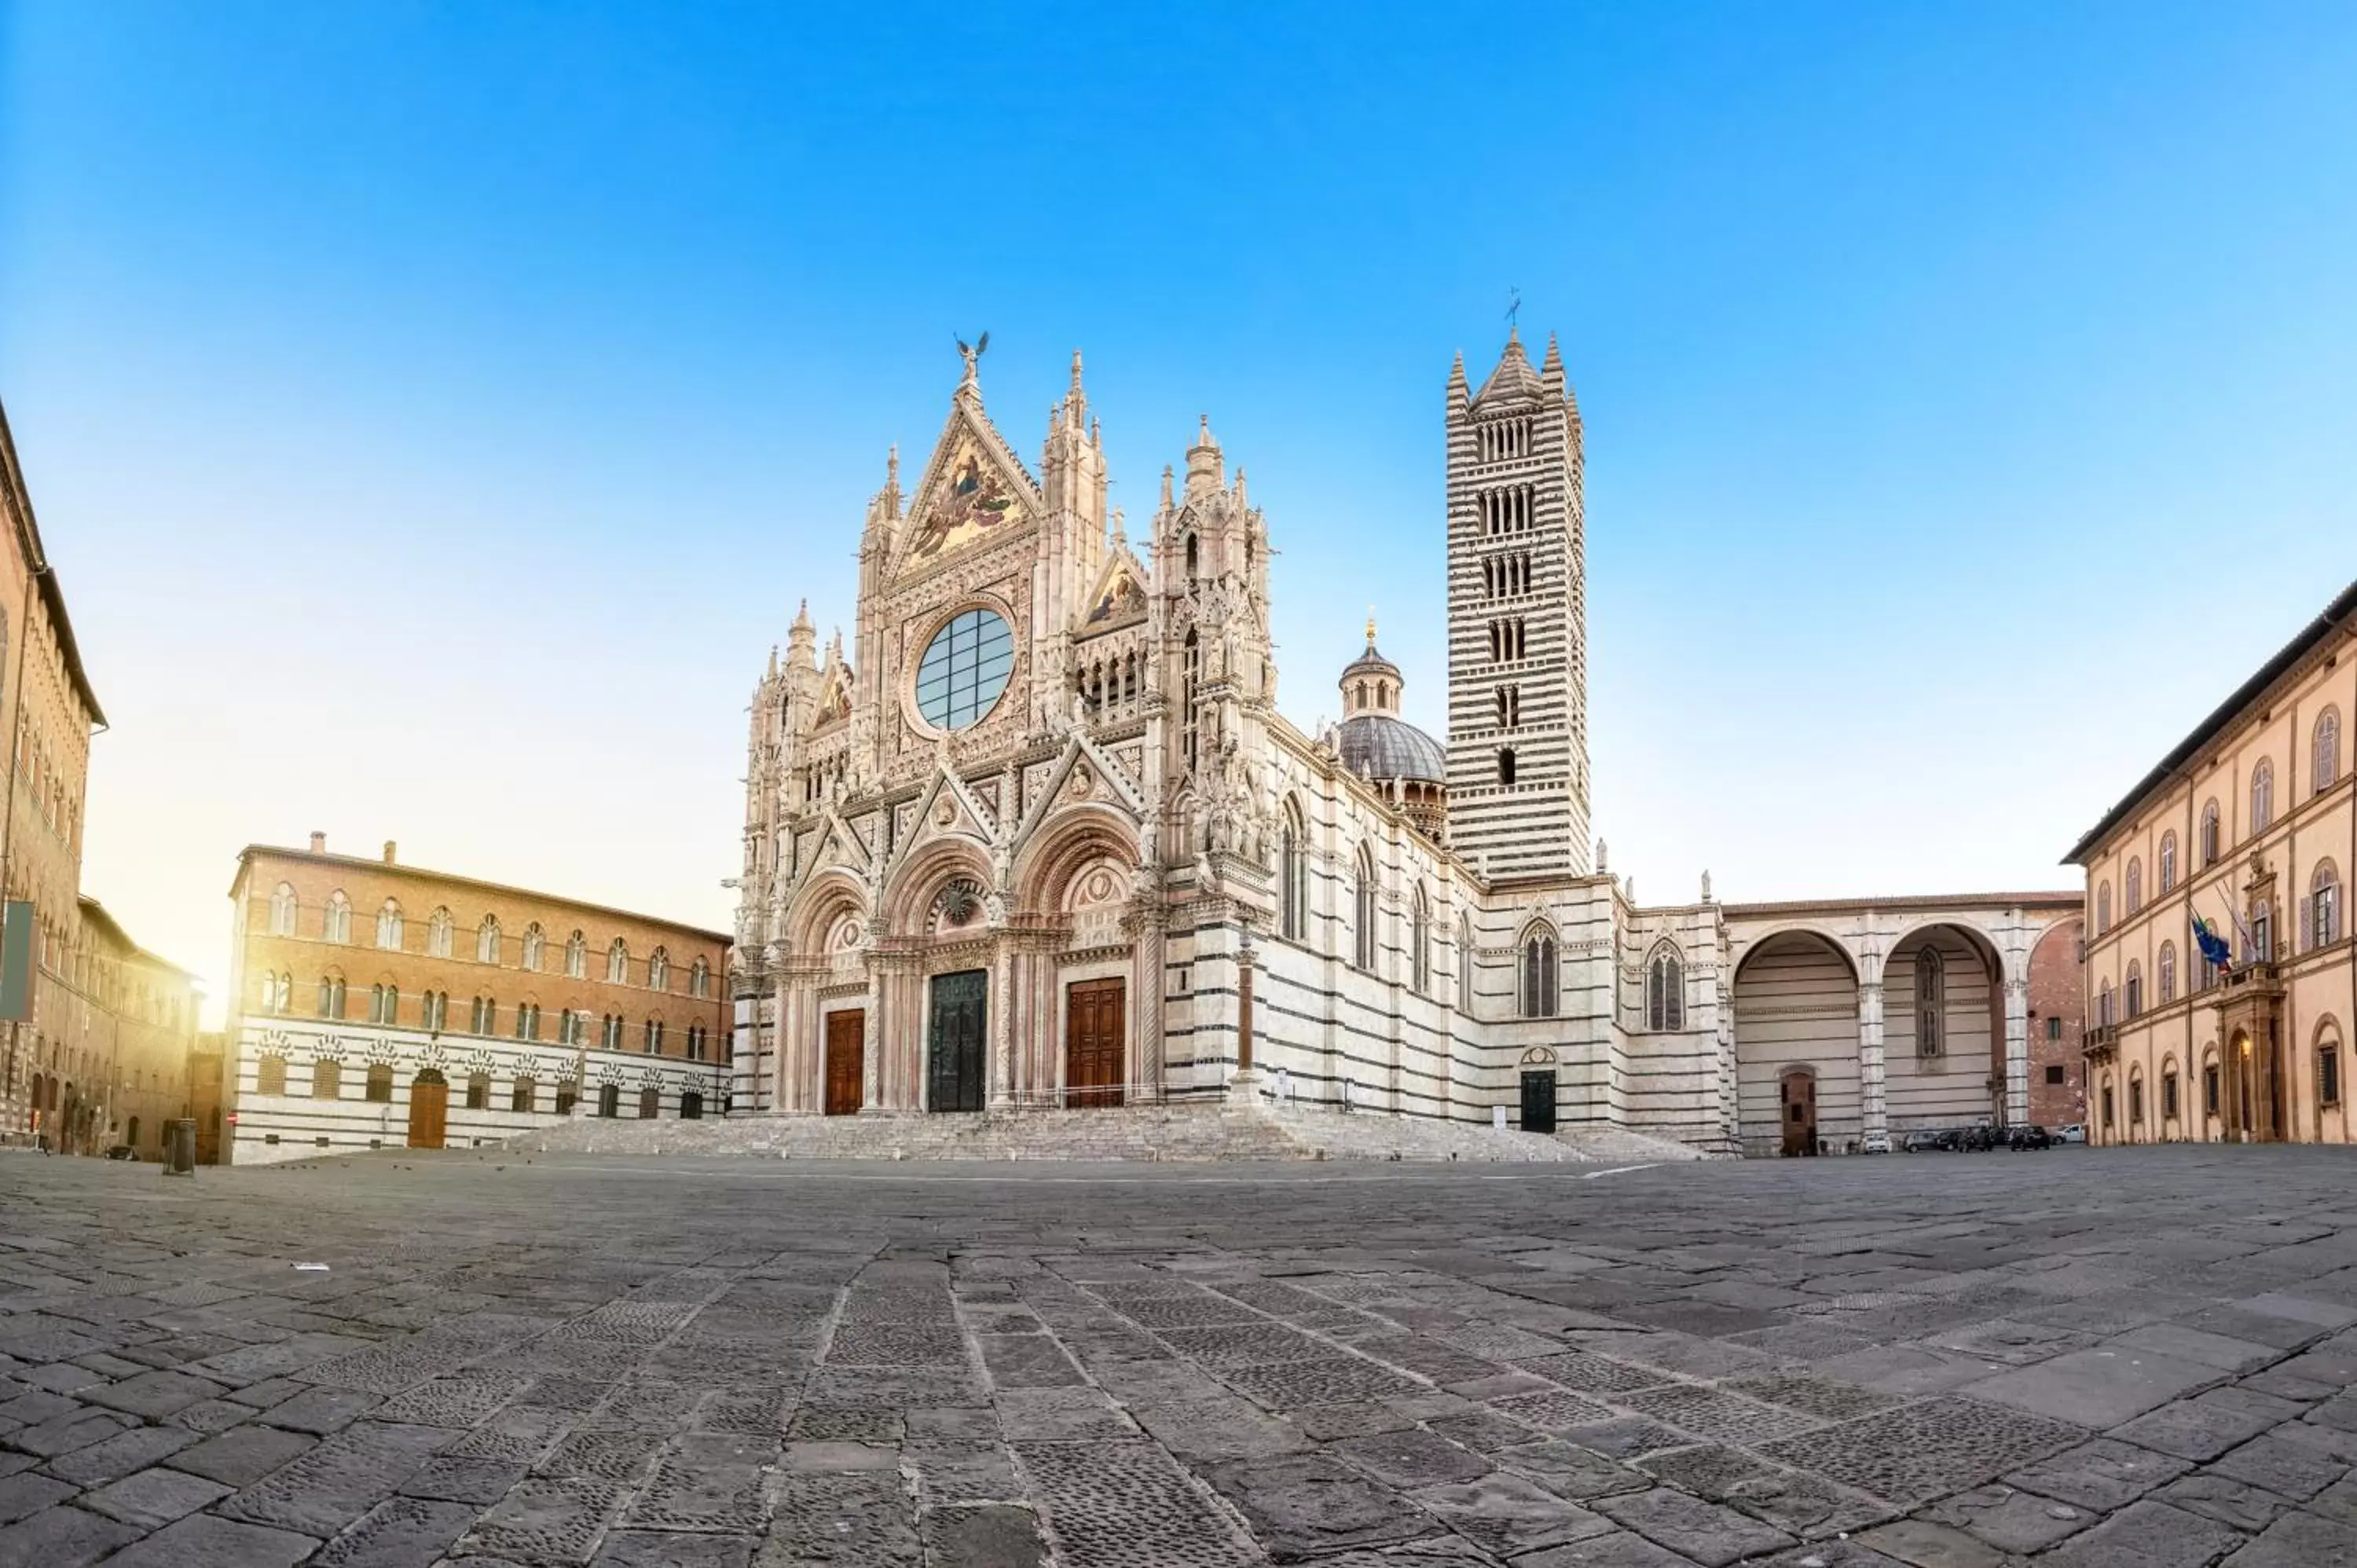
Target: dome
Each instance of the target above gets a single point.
(1381, 746)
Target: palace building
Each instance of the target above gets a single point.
(381, 1005)
(2247, 824)
(1039, 836)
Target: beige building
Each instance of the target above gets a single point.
(2247, 824)
(137, 1019)
(377, 1004)
(58, 1072)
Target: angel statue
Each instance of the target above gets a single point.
(972, 354)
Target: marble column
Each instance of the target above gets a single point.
(2017, 1051)
(1873, 1114)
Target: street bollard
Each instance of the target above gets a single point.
(180, 1147)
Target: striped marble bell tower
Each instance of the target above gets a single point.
(1517, 622)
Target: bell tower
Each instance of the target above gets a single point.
(1517, 622)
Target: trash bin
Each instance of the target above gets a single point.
(180, 1147)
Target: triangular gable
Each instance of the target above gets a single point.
(833, 698)
(947, 797)
(974, 490)
(1111, 782)
(1118, 597)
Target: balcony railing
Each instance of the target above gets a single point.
(2101, 1039)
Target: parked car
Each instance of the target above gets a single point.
(2032, 1137)
(1920, 1142)
(1875, 1143)
(2072, 1134)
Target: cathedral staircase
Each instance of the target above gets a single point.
(1147, 1134)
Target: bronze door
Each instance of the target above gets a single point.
(429, 1107)
(1095, 1058)
(956, 1049)
(847, 1060)
(1800, 1103)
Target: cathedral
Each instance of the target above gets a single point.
(1041, 838)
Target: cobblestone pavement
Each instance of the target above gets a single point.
(2138, 1356)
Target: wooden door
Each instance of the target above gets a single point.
(1097, 1057)
(1799, 1102)
(955, 1042)
(1538, 1100)
(847, 1060)
(429, 1109)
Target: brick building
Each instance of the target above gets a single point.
(60, 1072)
(2058, 1018)
(375, 1003)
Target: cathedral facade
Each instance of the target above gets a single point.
(1041, 837)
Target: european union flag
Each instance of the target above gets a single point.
(2213, 946)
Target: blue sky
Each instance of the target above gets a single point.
(436, 410)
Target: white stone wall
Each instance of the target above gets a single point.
(297, 1125)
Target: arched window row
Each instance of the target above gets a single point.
(1665, 990)
(390, 933)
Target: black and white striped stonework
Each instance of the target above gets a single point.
(1518, 784)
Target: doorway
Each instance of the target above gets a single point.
(1096, 1055)
(1538, 1100)
(429, 1109)
(847, 1060)
(955, 1043)
(1800, 1112)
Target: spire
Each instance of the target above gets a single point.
(1458, 393)
(1076, 374)
(1166, 487)
(1203, 459)
(892, 466)
(802, 617)
(1553, 363)
(799, 639)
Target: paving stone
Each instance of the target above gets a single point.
(2099, 1388)
(995, 1535)
(862, 1518)
(1621, 1549)
(322, 1491)
(153, 1395)
(1508, 1514)
(1705, 1532)
(322, 1410)
(664, 1549)
(1716, 1414)
(447, 1479)
(2301, 1540)
(1707, 1469)
(119, 1456)
(545, 1521)
(2101, 1476)
(241, 1456)
(2011, 1519)
(201, 1541)
(2149, 1534)
(1306, 1504)
(1923, 1543)
(1626, 1437)
(1918, 1452)
(1571, 1471)
(403, 1532)
(64, 1537)
(2206, 1426)
(22, 1495)
(2229, 1502)
(1801, 1504)
(74, 1429)
(711, 1483)
(152, 1498)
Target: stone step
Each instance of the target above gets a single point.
(1180, 1133)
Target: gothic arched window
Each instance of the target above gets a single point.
(2167, 860)
(1420, 946)
(339, 923)
(699, 980)
(438, 934)
(1539, 981)
(617, 962)
(659, 969)
(2136, 885)
(1293, 875)
(2164, 971)
(282, 910)
(1363, 911)
(2326, 764)
(1665, 990)
(2263, 795)
(1931, 998)
(487, 940)
(576, 956)
(535, 942)
(388, 925)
